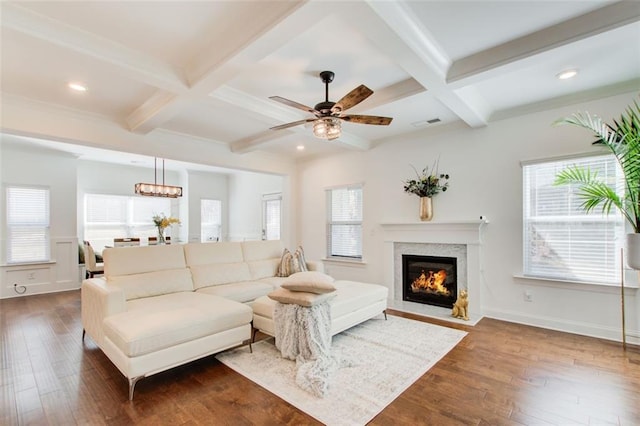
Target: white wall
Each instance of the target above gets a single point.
(57, 172)
(484, 165)
(212, 186)
(245, 203)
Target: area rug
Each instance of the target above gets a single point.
(380, 359)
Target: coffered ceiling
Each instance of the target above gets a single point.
(206, 69)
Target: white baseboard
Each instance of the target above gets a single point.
(567, 326)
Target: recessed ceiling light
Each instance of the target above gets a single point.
(78, 87)
(564, 75)
(300, 147)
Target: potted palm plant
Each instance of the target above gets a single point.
(622, 139)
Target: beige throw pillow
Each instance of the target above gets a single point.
(292, 263)
(310, 281)
(284, 268)
(301, 298)
(299, 262)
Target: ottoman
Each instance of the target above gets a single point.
(355, 302)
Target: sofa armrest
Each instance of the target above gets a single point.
(98, 301)
(314, 265)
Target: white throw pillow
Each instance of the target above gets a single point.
(301, 298)
(309, 281)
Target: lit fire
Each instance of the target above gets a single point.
(431, 282)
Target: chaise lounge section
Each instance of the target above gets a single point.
(355, 302)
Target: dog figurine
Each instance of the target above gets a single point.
(460, 307)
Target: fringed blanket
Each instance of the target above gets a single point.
(303, 334)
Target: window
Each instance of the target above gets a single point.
(27, 224)
(271, 204)
(344, 229)
(561, 241)
(116, 216)
(210, 220)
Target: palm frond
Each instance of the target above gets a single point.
(622, 138)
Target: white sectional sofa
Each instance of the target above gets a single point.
(157, 307)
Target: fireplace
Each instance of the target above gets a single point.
(431, 280)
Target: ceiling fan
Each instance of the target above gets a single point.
(328, 115)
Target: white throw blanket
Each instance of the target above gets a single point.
(303, 334)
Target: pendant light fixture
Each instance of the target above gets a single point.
(155, 190)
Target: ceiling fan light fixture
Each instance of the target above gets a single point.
(327, 128)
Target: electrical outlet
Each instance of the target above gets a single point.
(528, 296)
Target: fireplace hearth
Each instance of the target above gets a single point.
(431, 280)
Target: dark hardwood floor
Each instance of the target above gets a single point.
(500, 374)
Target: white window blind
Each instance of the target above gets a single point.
(27, 224)
(118, 216)
(561, 240)
(344, 230)
(210, 220)
(271, 216)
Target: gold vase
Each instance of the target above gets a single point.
(426, 209)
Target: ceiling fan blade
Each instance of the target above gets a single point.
(292, 124)
(368, 119)
(352, 98)
(293, 104)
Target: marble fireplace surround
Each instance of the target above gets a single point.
(462, 240)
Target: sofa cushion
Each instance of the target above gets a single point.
(260, 250)
(353, 295)
(197, 254)
(309, 281)
(216, 274)
(263, 268)
(246, 291)
(136, 260)
(275, 282)
(350, 296)
(301, 298)
(155, 283)
(155, 323)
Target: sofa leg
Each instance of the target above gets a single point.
(254, 331)
(385, 314)
(248, 342)
(132, 385)
(83, 333)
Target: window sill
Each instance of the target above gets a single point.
(575, 285)
(344, 262)
(27, 264)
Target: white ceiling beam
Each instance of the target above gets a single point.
(477, 67)
(254, 142)
(392, 93)
(220, 62)
(137, 65)
(397, 31)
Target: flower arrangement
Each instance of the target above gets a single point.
(426, 184)
(162, 222)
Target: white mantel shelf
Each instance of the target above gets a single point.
(470, 224)
(462, 231)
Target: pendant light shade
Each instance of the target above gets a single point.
(155, 189)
